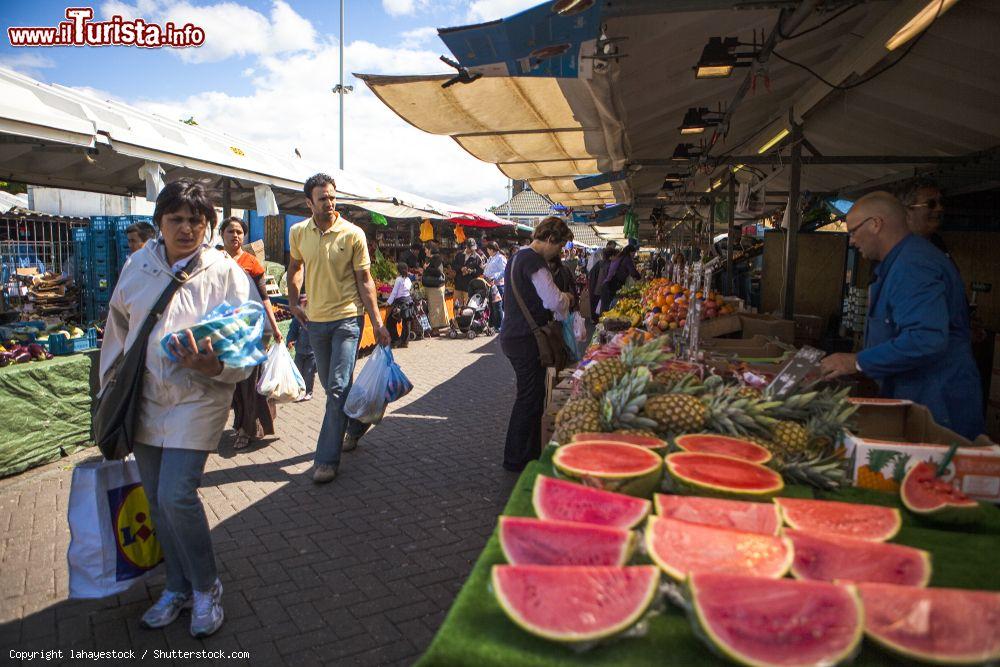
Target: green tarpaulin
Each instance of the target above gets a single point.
(476, 631)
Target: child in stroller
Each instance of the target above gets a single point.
(473, 318)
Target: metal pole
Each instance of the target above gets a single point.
(341, 85)
(732, 228)
(794, 220)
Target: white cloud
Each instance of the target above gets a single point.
(292, 107)
(418, 36)
(26, 63)
(481, 11)
(404, 7)
(230, 29)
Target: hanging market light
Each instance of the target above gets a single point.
(719, 57)
(697, 120)
(685, 152)
(920, 22)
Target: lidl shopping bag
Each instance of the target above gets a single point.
(112, 541)
(236, 334)
(380, 382)
(399, 385)
(280, 380)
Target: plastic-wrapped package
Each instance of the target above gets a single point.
(236, 334)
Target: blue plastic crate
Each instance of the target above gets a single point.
(60, 344)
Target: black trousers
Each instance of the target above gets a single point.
(524, 431)
(402, 313)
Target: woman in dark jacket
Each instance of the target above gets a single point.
(528, 275)
(432, 281)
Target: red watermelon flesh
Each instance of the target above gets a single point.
(708, 443)
(762, 518)
(825, 557)
(646, 441)
(606, 459)
(572, 603)
(681, 548)
(779, 622)
(560, 500)
(926, 494)
(943, 625)
(866, 522)
(526, 541)
(724, 475)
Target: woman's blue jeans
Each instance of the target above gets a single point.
(171, 478)
(335, 345)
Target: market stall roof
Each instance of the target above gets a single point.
(56, 136)
(9, 201)
(526, 202)
(585, 235)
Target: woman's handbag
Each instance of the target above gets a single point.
(552, 351)
(117, 411)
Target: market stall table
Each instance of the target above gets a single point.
(476, 630)
(368, 333)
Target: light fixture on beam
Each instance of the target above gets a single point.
(719, 57)
(675, 178)
(697, 120)
(685, 152)
(919, 23)
(773, 141)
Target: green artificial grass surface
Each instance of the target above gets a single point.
(477, 631)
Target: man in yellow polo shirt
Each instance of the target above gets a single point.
(333, 255)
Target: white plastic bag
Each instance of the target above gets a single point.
(367, 399)
(112, 540)
(280, 380)
(579, 327)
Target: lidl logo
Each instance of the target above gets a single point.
(138, 549)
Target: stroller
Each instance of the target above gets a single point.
(472, 318)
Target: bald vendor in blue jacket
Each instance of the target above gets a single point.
(918, 343)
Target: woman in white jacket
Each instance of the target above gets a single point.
(184, 404)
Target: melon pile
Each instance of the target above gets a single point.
(575, 575)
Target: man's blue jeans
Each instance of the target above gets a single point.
(335, 345)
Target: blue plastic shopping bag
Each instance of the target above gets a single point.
(569, 338)
(236, 334)
(380, 382)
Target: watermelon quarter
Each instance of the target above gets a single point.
(825, 557)
(559, 500)
(721, 476)
(945, 626)
(647, 441)
(681, 548)
(928, 496)
(750, 517)
(573, 604)
(611, 466)
(526, 541)
(708, 443)
(779, 622)
(865, 522)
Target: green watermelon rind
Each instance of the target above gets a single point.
(880, 538)
(634, 618)
(687, 486)
(639, 484)
(679, 443)
(624, 556)
(677, 575)
(538, 505)
(950, 513)
(925, 557)
(703, 630)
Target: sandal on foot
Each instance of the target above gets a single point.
(242, 441)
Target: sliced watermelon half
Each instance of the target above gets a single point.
(782, 622)
(762, 518)
(946, 626)
(708, 443)
(574, 604)
(681, 548)
(560, 500)
(611, 466)
(721, 476)
(527, 541)
(864, 522)
(649, 442)
(928, 496)
(826, 557)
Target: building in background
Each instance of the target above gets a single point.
(525, 207)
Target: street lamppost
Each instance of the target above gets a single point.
(340, 89)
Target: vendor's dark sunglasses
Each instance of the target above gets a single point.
(929, 204)
(851, 232)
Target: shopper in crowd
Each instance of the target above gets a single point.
(528, 275)
(620, 270)
(917, 342)
(253, 415)
(571, 262)
(305, 358)
(462, 278)
(400, 303)
(433, 281)
(333, 255)
(595, 278)
(924, 204)
(184, 403)
(495, 265)
(657, 264)
(138, 234)
(415, 257)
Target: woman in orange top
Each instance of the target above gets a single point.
(253, 414)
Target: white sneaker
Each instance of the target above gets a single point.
(207, 615)
(166, 610)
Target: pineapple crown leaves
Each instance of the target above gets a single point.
(636, 354)
(823, 472)
(622, 403)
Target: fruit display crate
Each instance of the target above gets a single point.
(477, 631)
(61, 344)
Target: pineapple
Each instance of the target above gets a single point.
(790, 438)
(644, 432)
(676, 413)
(828, 473)
(718, 410)
(578, 416)
(600, 376)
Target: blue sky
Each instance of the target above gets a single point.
(265, 72)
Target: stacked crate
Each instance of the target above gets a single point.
(101, 251)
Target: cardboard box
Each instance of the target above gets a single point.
(767, 325)
(255, 248)
(900, 420)
(719, 326)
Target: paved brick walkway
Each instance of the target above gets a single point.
(358, 572)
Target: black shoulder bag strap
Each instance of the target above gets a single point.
(517, 295)
(117, 408)
(551, 347)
